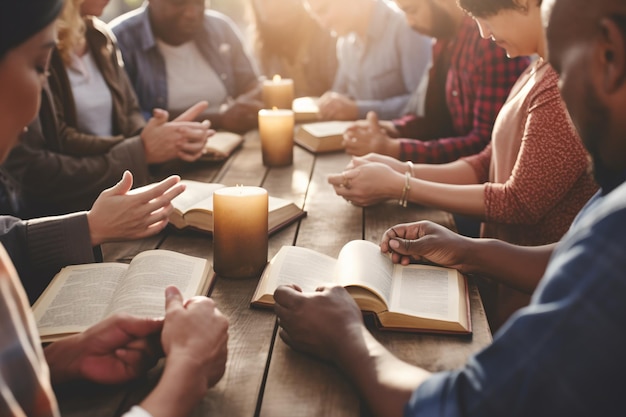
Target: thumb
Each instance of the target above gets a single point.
(402, 246)
(160, 116)
(173, 299)
(372, 118)
(124, 185)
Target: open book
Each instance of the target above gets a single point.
(221, 145)
(417, 298)
(322, 136)
(82, 295)
(194, 208)
(305, 109)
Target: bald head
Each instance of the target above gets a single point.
(587, 46)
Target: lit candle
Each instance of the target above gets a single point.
(276, 131)
(278, 92)
(240, 231)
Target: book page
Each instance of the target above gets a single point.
(222, 144)
(77, 297)
(332, 128)
(194, 194)
(425, 291)
(142, 292)
(296, 265)
(361, 262)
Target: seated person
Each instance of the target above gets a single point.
(193, 334)
(381, 60)
(90, 130)
(526, 186)
(178, 53)
(468, 83)
(563, 354)
(290, 43)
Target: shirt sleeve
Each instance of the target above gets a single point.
(492, 81)
(550, 161)
(561, 356)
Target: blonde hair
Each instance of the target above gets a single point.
(71, 30)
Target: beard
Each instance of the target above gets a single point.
(594, 131)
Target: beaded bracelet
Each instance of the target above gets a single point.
(404, 200)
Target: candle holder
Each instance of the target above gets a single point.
(276, 131)
(240, 239)
(278, 92)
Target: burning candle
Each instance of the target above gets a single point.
(240, 231)
(278, 92)
(276, 131)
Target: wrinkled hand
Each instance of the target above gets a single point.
(335, 106)
(195, 334)
(241, 116)
(121, 214)
(317, 323)
(363, 138)
(164, 141)
(425, 241)
(367, 183)
(118, 349)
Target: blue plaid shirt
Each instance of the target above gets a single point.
(564, 354)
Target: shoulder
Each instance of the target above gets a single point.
(546, 88)
(128, 22)
(216, 22)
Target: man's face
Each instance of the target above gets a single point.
(176, 21)
(428, 17)
(571, 57)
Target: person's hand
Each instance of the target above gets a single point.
(195, 336)
(317, 323)
(363, 138)
(391, 162)
(335, 106)
(425, 241)
(241, 115)
(164, 141)
(367, 183)
(121, 214)
(118, 349)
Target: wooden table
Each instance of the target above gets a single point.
(264, 377)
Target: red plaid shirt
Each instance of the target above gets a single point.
(479, 79)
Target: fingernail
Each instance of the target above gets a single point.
(394, 244)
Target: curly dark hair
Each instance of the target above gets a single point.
(487, 8)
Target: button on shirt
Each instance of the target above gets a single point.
(564, 354)
(381, 71)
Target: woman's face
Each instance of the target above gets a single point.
(93, 7)
(23, 71)
(514, 30)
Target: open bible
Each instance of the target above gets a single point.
(82, 295)
(194, 208)
(418, 298)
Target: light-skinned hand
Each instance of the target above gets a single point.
(367, 137)
(335, 106)
(195, 334)
(121, 214)
(368, 183)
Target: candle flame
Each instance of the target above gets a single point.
(276, 78)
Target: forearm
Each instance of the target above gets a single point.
(520, 267)
(384, 381)
(457, 172)
(179, 390)
(60, 357)
(462, 199)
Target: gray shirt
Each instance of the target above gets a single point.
(382, 71)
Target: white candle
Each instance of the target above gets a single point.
(278, 92)
(240, 231)
(276, 131)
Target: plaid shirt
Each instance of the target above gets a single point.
(479, 79)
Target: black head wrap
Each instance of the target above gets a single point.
(21, 19)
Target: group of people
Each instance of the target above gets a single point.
(466, 123)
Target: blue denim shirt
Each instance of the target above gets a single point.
(381, 71)
(564, 354)
(219, 43)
